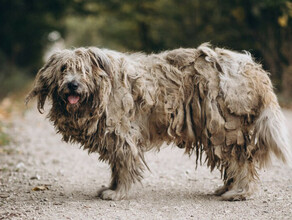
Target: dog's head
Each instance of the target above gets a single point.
(74, 78)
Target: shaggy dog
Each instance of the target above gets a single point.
(212, 101)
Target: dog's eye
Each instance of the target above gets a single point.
(63, 68)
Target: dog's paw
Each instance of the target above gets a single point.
(108, 194)
(221, 190)
(234, 195)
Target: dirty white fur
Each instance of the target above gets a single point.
(212, 101)
(271, 130)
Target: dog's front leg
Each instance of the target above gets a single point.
(118, 188)
(126, 169)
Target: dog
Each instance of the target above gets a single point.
(210, 101)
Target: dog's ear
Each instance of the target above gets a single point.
(42, 83)
(100, 60)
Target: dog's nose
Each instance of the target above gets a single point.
(73, 85)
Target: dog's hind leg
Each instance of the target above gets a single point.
(126, 169)
(240, 181)
(223, 189)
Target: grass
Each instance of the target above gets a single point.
(4, 137)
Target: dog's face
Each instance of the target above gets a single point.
(73, 78)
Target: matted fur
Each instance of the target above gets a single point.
(212, 101)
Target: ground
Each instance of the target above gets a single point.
(42, 177)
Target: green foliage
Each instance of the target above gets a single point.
(263, 27)
(24, 28)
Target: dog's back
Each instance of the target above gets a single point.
(213, 100)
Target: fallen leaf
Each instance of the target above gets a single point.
(4, 195)
(40, 188)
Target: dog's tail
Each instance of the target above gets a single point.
(271, 134)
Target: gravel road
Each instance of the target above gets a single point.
(44, 178)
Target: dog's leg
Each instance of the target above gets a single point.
(118, 188)
(223, 189)
(241, 181)
(126, 170)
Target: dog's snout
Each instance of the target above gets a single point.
(73, 85)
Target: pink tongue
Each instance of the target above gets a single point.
(73, 99)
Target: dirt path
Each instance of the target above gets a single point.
(70, 179)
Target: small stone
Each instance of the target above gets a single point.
(113, 205)
(4, 195)
(60, 173)
(36, 177)
(20, 165)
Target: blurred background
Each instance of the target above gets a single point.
(30, 29)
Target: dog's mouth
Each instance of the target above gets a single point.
(73, 99)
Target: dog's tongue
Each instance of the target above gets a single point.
(73, 99)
